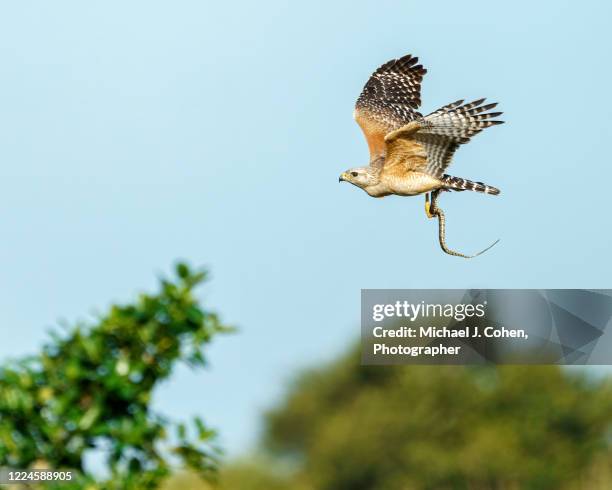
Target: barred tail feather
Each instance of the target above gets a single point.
(459, 184)
(461, 121)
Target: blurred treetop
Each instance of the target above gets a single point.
(91, 386)
(353, 427)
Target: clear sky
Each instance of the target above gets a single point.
(136, 133)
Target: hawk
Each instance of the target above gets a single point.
(409, 152)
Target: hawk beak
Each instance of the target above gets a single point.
(342, 177)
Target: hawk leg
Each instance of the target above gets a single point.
(429, 208)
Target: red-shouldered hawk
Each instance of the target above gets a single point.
(409, 152)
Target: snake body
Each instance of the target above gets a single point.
(437, 211)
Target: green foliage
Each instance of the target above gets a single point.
(254, 475)
(437, 427)
(91, 388)
(239, 475)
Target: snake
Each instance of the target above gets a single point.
(439, 213)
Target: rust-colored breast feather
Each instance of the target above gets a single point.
(374, 132)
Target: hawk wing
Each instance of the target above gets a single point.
(439, 134)
(388, 101)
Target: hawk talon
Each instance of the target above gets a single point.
(430, 210)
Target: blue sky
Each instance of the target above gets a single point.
(136, 133)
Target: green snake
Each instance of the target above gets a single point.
(437, 211)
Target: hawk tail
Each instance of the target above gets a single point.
(459, 184)
(461, 121)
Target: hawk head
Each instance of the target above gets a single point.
(362, 177)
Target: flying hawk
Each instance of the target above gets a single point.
(409, 152)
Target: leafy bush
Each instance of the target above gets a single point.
(91, 387)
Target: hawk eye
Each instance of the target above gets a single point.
(354, 174)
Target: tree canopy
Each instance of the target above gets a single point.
(90, 390)
(441, 427)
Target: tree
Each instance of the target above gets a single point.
(253, 474)
(441, 427)
(90, 389)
